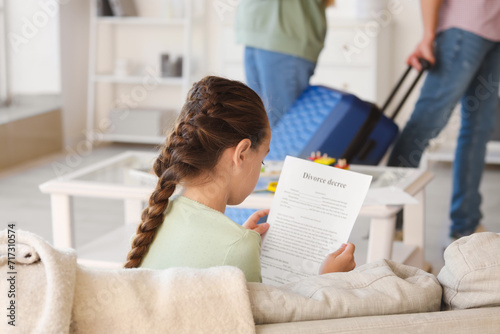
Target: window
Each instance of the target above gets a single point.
(29, 58)
(3, 57)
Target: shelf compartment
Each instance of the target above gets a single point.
(174, 81)
(142, 21)
(131, 139)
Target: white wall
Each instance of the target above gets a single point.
(407, 33)
(33, 44)
(74, 22)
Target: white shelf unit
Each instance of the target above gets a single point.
(143, 20)
(139, 41)
(136, 80)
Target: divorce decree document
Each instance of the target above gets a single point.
(312, 214)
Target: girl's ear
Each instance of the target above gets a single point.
(241, 152)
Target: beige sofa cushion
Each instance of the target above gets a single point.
(383, 287)
(471, 275)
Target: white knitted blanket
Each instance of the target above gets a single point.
(54, 294)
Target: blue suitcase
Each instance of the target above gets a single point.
(333, 122)
(339, 124)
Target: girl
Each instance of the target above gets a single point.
(214, 152)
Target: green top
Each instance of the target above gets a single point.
(296, 27)
(196, 236)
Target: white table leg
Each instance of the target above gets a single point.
(62, 223)
(133, 211)
(414, 230)
(381, 239)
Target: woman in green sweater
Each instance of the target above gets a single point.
(283, 40)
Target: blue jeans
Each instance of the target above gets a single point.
(278, 78)
(467, 69)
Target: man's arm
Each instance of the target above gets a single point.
(329, 3)
(425, 49)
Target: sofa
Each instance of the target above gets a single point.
(45, 290)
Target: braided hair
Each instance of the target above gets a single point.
(218, 114)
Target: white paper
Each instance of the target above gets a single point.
(312, 215)
(388, 196)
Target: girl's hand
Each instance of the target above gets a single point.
(251, 222)
(341, 260)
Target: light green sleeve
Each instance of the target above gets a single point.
(245, 254)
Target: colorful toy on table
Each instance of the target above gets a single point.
(329, 161)
(272, 186)
(266, 183)
(321, 159)
(342, 163)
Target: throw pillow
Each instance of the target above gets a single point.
(471, 275)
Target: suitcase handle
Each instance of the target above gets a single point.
(359, 145)
(425, 65)
(359, 141)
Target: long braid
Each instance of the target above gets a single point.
(217, 114)
(169, 173)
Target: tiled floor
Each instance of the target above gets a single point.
(22, 202)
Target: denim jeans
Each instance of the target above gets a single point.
(467, 69)
(278, 78)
